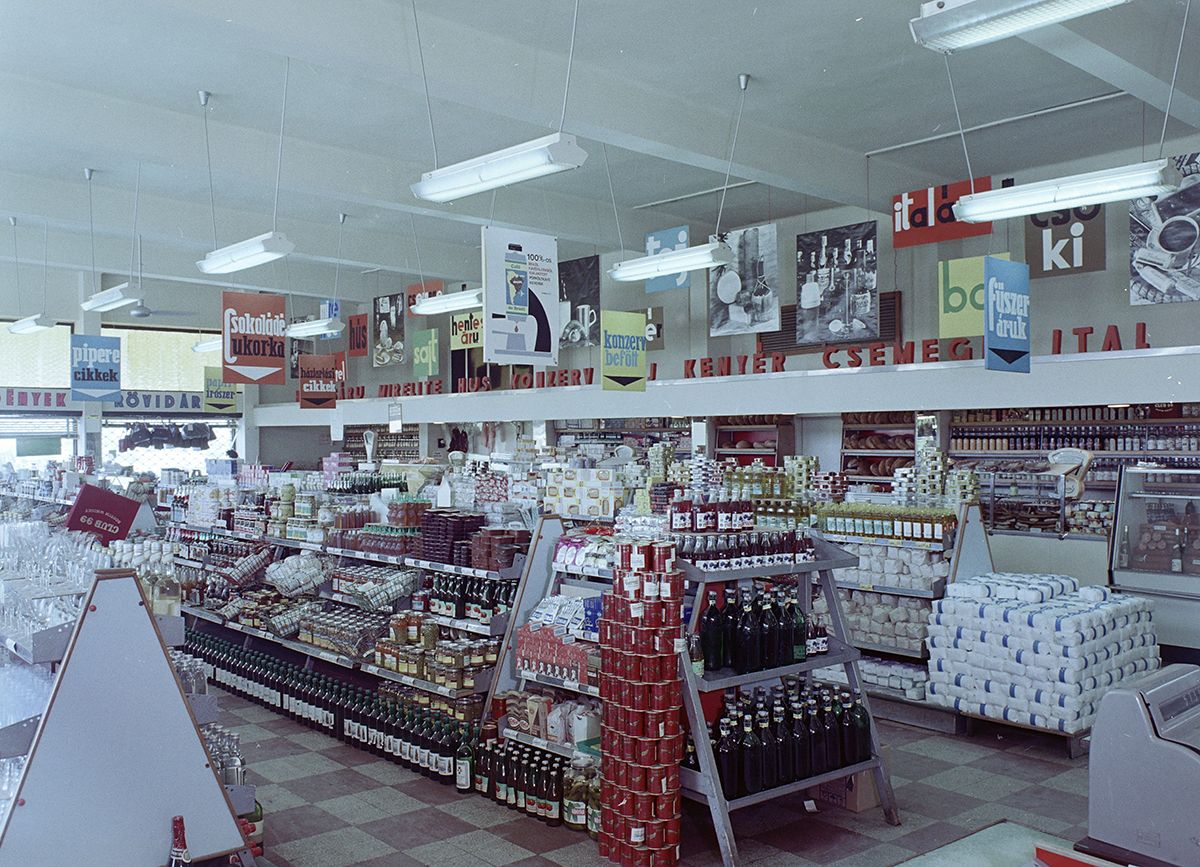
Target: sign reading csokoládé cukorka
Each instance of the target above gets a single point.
(252, 338)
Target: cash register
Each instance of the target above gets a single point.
(1144, 771)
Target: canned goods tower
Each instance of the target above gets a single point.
(705, 786)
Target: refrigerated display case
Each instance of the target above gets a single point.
(1154, 549)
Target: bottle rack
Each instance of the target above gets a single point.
(89, 776)
(705, 786)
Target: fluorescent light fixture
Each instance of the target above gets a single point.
(675, 262)
(316, 327)
(542, 156)
(1089, 188)
(948, 25)
(208, 344)
(31, 324)
(109, 299)
(468, 299)
(1118, 406)
(246, 254)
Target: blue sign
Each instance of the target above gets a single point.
(664, 241)
(330, 309)
(1006, 315)
(95, 367)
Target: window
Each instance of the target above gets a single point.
(29, 441)
(159, 360)
(154, 460)
(38, 360)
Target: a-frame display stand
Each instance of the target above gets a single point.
(117, 753)
(705, 786)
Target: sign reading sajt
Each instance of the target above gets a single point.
(425, 352)
(960, 296)
(623, 342)
(1006, 342)
(252, 338)
(95, 367)
(318, 381)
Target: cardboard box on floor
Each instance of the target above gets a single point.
(854, 793)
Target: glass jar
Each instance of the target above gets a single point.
(576, 784)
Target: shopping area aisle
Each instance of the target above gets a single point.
(328, 804)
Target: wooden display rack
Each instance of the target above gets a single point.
(706, 785)
(117, 751)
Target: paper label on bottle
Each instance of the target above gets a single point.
(462, 774)
(405, 750)
(445, 765)
(576, 812)
(423, 757)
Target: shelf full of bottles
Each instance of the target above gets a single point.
(775, 639)
(402, 446)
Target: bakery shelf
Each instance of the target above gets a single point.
(747, 427)
(875, 480)
(877, 453)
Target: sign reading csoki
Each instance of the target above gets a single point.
(1065, 242)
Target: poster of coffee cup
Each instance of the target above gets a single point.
(743, 296)
(579, 301)
(837, 294)
(1164, 240)
(387, 330)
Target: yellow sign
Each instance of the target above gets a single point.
(961, 296)
(219, 397)
(623, 342)
(466, 330)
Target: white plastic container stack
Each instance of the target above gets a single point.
(1035, 649)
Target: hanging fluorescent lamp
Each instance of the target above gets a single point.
(109, 299)
(556, 152)
(948, 25)
(316, 327)
(31, 324)
(675, 262)
(468, 299)
(247, 254)
(210, 344)
(1089, 188)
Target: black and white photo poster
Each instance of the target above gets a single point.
(837, 295)
(743, 297)
(520, 297)
(387, 342)
(579, 301)
(1164, 241)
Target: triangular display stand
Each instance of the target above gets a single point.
(117, 752)
(972, 551)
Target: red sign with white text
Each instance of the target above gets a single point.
(927, 216)
(252, 332)
(415, 292)
(319, 381)
(359, 335)
(102, 513)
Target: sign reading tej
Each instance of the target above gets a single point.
(318, 381)
(95, 367)
(252, 344)
(1065, 242)
(466, 330)
(1006, 315)
(102, 513)
(623, 341)
(667, 241)
(926, 216)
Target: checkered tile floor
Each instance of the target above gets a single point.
(328, 805)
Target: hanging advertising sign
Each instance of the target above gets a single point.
(960, 296)
(105, 515)
(219, 397)
(95, 367)
(579, 301)
(415, 292)
(743, 296)
(1164, 240)
(927, 216)
(520, 297)
(389, 330)
(466, 330)
(654, 328)
(425, 352)
(331, 308)
(318, 382)
(838, 287)
(1065, 242)
(252, 338)
(358, 334)
(1006, 341)
(623, 342)
(667, 241)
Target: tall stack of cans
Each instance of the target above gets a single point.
(641, 735)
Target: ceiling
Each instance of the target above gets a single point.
(653, 87)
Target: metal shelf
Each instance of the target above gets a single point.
(745, 427)
(891, 425)
(689, 779)
(829, 557)
(890, 543)
(417, 683)
(16, 738)
(875, 480)
(730, 451)
(891, 650)
(389, 559)
(838, 654)
(496, 627)
(877, 453)
(587, 572)
(1025, 453)
(542, 744)
(1109, 422)
(46, 645)
(558, 683)
(937, 591)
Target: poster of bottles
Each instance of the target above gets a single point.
(743, 296)
(837, 295)
(388, 337)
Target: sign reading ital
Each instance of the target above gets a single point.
(252, 338)
(318, 381)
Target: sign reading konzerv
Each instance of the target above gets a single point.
(95, 367)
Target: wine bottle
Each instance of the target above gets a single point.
(746, 646)
(785, 745)
(711, 634)
(727, 761)
(729, 622)
(802, 767)
(832, 736)
(768, 634)
(464, 762)
(770, 751)
(818, 760)
(751, 759)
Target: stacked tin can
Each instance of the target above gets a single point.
(641, 735)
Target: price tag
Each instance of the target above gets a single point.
(637, 610)
(570, 684)
(631, 582)
(444, 690)
(680, 645)
(541, 743)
